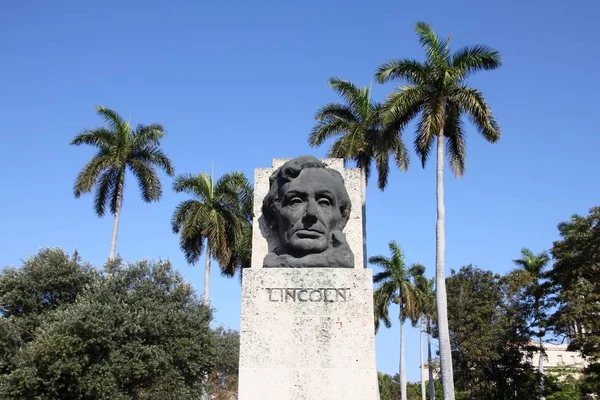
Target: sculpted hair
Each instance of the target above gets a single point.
(290, 171)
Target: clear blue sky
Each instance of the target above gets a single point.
(237, 83)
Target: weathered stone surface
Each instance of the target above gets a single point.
(307, 334)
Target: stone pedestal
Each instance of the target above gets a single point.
(307, 334)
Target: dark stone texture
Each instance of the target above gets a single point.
(308, 206)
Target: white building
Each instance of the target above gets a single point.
(558, 359)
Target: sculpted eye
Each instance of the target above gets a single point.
(325, 202)
(295, 201)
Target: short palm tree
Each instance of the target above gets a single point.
(437, 93)
(213, 222)
(119, 148)
(395, 287)
(532, 267)
(427, 312)
(363, 138)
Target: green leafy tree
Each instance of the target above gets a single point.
(489, 336)
(389, 386)
(395, 287)
(436, 91)
(121, 147)
(215, 221)
(137, 333)
(49, 280)
(363, 138)
(223, 380)
(575, 283)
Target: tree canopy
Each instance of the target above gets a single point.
(70, 331)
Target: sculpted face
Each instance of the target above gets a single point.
(309, 211)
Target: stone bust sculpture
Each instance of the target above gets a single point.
(308, 206)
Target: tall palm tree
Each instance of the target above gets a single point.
(214, 221)
(436, 91)
(532, 267)
(121, 147)
(363, 137)
(395, 287)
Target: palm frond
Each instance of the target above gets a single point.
(154, 156)
(106, 185)
(88, 176)
(355, 97)
(183, 213)
(475, 58)
(323, 130)
(402, 106)
(382, 276)
(429, 126)
(147, 179)
(111, 117)
(380, 261)
(436, 50)
(99, 137)
(382, 162)
(148, 135)
(382, 297)
(456, 147)
(116, 199)
(199, 185)
(403, 70)
(334, 111)
(233, 190)
(216, 235)
(193, 247)
(472, 102)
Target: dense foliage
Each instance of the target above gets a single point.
(140, 332)
(575, 284)
(388, 388)
(489, 336)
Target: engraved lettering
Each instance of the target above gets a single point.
(319, 296)
(270, 290)
(290, 294)
(300, 298)
(340, 293)
(303, 295)
(326, 299)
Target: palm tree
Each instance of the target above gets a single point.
(395, 287)
(119, 148)
(532, 267)
(214, 221)
(437, 91)
(427, 310)
(363, 137)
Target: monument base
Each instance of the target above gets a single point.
(307, 334)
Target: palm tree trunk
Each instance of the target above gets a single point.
(207, 275)
(421, 328)
(402, 363)
(363, 186)
(541, 369)
(429, 362)
(440, 278)
(113, 240)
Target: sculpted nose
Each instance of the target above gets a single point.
(311, 210)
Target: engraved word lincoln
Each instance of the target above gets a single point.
(308, 206)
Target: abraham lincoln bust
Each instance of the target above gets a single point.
(308, 206)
